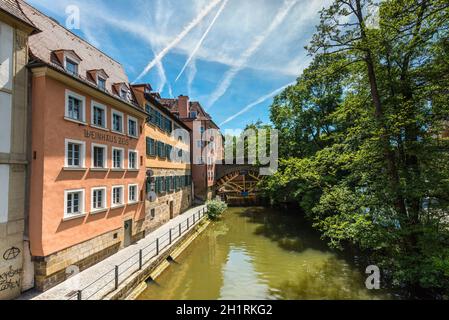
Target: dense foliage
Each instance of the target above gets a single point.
(363, 145)
(215, 209)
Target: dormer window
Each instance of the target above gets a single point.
(121, 90)
(68, 59)
(99, 77)
(193, 115)
(101, 84)
(71, 67)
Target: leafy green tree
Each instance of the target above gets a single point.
(362, 137)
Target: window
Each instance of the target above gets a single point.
(75, 107)
(162, 183)
(99, 156)
(124, 94)
(167, 184)
(101, 84)
(71, 67)
(132, 193)
(193, 115)
(158, 118)
(132, 159)
(153, 115)
(151, 147)
(98, 115)
(74, 203)
(117, 121)
(200, 143)
(168, 152)
(117, 196)
(161, 150)
(168, 125)
(75, 151)
(132, 127)
(117, 158)
(98, 199)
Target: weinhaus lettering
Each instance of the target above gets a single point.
(106, 137)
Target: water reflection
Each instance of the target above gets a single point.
(257, 253)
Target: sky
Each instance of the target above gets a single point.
(233, 56)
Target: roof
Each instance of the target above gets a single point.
(150, 97)
(172, 105)
(12, 7)
(55, 37)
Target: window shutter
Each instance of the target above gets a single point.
(148, 146)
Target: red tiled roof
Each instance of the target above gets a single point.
(13, 8)
(55, 37)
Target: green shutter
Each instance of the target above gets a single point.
(148, 147)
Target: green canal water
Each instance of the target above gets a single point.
(258, 253)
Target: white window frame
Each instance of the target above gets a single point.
(105, 155)
(72, 94)
(137, 193)
(122, 203)
(82, 203)
(82, 155)
(115, 112)
(137, 159)
(137, 126)
(105, 200)
(100, 106)
(123, 158)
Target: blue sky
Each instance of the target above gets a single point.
(239, 52)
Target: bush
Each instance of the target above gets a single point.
(215, 209)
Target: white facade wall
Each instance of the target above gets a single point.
(5, 122)
(4, 192)
(6, 55)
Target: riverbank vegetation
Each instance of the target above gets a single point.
(215, 209)
(363, 138)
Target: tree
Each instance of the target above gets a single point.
(362, 148)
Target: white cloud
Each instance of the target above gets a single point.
(191, 73)
(203, 13)
(255, 103)
(200, 42)
(250, 51)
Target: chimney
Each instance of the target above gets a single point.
(183, 106)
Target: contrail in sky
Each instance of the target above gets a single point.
(179, 38)
(255, 103)
(198, 46)
(230, 75)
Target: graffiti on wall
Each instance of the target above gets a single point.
(11, 254)
(10, 278)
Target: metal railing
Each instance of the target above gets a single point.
(111, 280)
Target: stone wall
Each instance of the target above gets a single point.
(52, 270)
(182, 200)
(13, 160)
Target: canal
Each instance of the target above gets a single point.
(258, 253)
